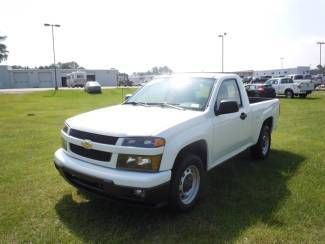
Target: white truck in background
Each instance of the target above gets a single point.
(157, 146)
(288, 87)
(77, 79)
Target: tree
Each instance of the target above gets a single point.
(67, 65)
(3, 49)
(321, 69)
(161, 70)
(17, 67)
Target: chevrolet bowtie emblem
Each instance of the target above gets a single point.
(87, 144)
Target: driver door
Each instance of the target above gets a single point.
(231, 131)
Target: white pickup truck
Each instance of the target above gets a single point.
(157, 147)
(291, 88)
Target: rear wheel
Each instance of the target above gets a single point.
(186, 183)
(261, 149)
(289, 94)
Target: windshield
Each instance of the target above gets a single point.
(183, 92)
(268, 82)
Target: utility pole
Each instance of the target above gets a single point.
(320, 55)
(222, 49)
(55, 76)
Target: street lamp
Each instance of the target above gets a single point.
(222, 49)
(320, 54)
(53, 25)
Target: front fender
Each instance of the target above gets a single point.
(182, 136)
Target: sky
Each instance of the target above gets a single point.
(133, 36)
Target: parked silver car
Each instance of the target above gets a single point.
(93, 87)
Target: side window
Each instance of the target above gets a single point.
(274, 82)
(284, 81)
(229, 91)
(290, 81)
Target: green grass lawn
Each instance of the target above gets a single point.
(280, 200)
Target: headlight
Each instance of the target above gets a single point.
(65, 128)
(139, 162)
(146, 142)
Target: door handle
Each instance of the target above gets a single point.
(243, 116)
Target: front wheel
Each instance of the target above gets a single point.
(261, 149)
(289, 94)
(186, 183)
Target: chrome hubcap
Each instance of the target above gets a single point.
(189, 184)
(265, 143)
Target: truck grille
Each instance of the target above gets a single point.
(93, 137)
(90, 153)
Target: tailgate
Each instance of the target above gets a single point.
(306, 86)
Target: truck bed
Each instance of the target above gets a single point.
(259, 99)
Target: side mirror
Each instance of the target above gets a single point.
(127, 96)
(226, 107)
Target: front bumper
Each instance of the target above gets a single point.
(145, 188)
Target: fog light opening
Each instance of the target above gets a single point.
(139, 193)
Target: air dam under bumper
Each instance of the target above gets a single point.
(139, 187)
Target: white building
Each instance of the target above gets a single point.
(138, 78)
(300, 70)
(34, 78)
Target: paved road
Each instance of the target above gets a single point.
(26, 90)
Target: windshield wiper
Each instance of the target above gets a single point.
(137, 103)
(168, 105)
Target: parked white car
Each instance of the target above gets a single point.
(286, 86)
(157, 146)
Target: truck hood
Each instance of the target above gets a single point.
(130, 120)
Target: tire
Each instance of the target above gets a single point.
(261, 149)
(187, 182)
(289, 94)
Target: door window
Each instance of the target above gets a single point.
(229, 91)
(285, 81)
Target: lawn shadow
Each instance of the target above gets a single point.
(240, 193)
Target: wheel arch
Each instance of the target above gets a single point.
(289, 89)
(269, 122)
(199, 148)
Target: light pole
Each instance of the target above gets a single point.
(53, 25)
(222, 49)
(320, 54)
